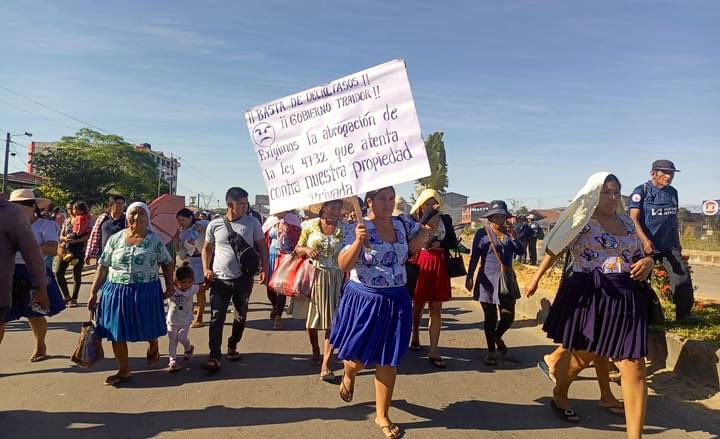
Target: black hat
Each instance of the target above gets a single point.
(664, 165)
(496, 206)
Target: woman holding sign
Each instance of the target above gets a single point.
(373, 322)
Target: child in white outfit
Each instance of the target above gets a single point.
(180, 315)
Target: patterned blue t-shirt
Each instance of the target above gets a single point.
(384, 265)
(658, 216)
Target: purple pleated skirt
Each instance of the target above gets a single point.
(372, 325)
(601, 313)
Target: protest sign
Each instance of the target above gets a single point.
(353, 135)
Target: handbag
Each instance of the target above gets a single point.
(89, 349)
(456, 265)
(245, 253)
(508, 288)
(293, 276)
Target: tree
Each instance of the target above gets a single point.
(90, 166)
(438, 179)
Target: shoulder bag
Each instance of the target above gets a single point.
(508, 289)
(245, 254)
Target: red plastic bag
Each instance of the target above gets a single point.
(293, 276)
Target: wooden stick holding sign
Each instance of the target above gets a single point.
(359, 217)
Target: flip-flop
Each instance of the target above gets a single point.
(545, 369)
(197, 325)
(567, 415)
(212, 365)
(348, 397)
(114, 380)
(391, 430)
(38, 358)
(187, 356)
(327, 375)
(437, 362)
(614, 410)
(414, 346)
(234, 356)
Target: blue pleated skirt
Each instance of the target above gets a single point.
(133, 312)
(21, 306)
(372, 325)
(601, 313)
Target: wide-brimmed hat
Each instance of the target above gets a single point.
(400, 206)
(27, 195)
(424, 196)
(496, 207)
(664, 165)
(315, 208)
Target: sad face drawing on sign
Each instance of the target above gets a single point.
(263, 134)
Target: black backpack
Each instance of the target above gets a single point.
(246, 255)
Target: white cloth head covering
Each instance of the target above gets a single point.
(143, 206)
(270, 223)
(577, 214)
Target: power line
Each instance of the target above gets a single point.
(36, 115)
(54, 110)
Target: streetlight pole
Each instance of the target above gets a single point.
(7, 159)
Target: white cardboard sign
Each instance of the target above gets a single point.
(353, 135)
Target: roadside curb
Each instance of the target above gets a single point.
(696, 359)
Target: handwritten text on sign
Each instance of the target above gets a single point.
(356, 134)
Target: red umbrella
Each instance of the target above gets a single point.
(163, 212)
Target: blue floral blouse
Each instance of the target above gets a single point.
(384, 265)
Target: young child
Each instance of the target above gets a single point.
(180, 315)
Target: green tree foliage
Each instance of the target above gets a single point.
(438, 179)
(90, 166)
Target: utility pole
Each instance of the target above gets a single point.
(7, 158)
(5, 171)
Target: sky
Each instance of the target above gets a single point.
(532, 96)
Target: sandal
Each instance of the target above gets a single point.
(567, 415)
(391, 431)
(38, 357)
(197, 324)
(415, 346)
(545, 369)
(502, 347)
(327, 375)
(345, 393)
(234, 356)
(153, 359)
(212, 365)
(187, 356)
(114, 380)
(438, 362)
(172, 366)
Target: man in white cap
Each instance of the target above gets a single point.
(535, 232)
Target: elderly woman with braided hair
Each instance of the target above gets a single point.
(130, 304)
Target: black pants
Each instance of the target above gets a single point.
(277, 301)
(683, 295)
(77, 278)
(494, 330)
(532, 251)
(221, 293)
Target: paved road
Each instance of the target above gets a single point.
(706, 279)
(274, 392)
